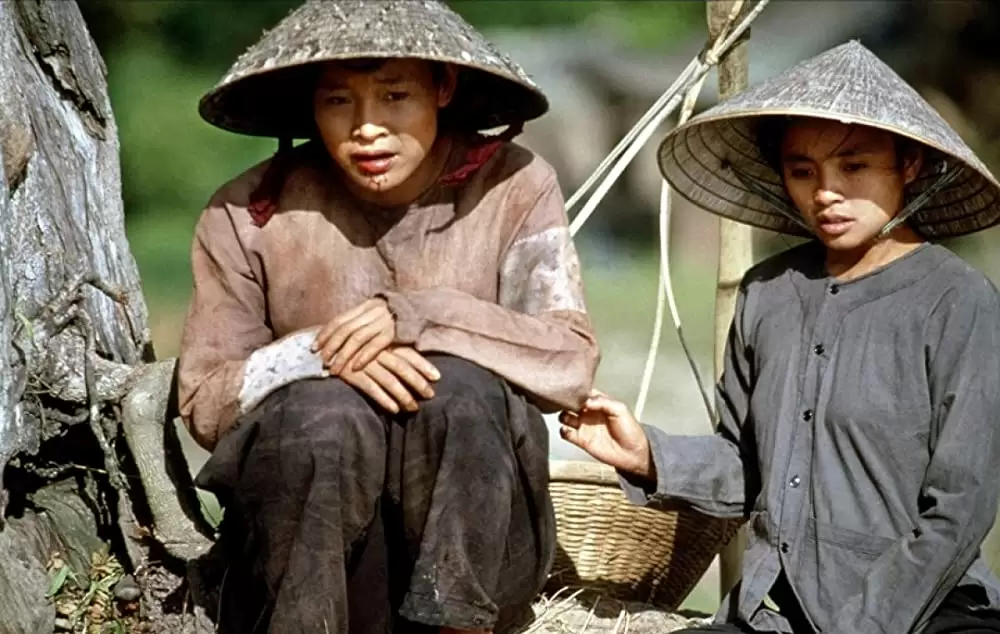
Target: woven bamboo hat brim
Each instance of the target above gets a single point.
(709, 159)
(266, 92)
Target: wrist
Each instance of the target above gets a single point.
(646, 468)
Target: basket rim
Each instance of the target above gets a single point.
(582, 471)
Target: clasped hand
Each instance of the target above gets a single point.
(607, 430)
(358, 346)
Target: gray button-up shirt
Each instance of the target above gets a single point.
(858, 434)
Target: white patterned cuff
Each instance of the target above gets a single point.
(277, 365)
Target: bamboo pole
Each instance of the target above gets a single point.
(735, 247)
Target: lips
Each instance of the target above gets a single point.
(834, 224)
(373, 163)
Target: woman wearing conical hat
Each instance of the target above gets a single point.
(859, 408)
(379, 315)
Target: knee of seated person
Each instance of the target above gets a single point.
(468, 399)
(327, 411)
(466, 379)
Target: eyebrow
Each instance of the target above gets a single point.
(846, 152)
(382, 81)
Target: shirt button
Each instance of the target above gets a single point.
(819, 349)
(784, 547)
(795, 482)
(834, 289)
(807, 415)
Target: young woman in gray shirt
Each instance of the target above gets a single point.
(859, 404)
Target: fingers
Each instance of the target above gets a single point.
(390, 383)
(572, 436)
(332, 337)
(323, 336)
(608, 406)
(570, 419)
(367, 385)
(374, 336)
(597, 410)
(383, 387)
(419, 362)
(361, 354)
(405, 370)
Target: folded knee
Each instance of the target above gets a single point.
(466, 379)
(323, 415)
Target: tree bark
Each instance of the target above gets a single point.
(83, 407)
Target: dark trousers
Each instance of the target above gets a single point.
(955, 616)
(340, 518)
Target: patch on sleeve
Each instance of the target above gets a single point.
(278, 364)
(541, 273)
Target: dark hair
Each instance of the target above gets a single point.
(372, 64)
(770, 134)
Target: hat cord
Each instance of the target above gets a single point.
(946, 175)
(780, 204)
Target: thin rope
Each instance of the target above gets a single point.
(687, 87)
(639, 135)
(665, 290)
(654, 111)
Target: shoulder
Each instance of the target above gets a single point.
(773, 269)
(515, 188)
(227, 207)
(230, 204)
(236, 191)
(962, 289)
(512, 166)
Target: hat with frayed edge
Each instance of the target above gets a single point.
(714, 160)
(267, 92)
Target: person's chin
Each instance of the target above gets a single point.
(376, 184)
(850, 241)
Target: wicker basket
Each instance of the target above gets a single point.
(626, 551)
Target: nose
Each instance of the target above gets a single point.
(368, 131)
(829, 191)
(368, 125)
(826, 197)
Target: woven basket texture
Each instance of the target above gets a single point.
(621, 550)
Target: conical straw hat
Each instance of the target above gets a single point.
(709, 159)
(265, 93)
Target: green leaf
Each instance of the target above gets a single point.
(58, 581)
(26, 323)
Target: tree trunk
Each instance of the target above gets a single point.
(83, 407)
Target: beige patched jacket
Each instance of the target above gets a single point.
(484, 270)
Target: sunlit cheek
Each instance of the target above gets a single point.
(418, 131)
(333, 126)
(801, 195)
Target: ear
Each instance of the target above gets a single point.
(913, 162)
(446, 87)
